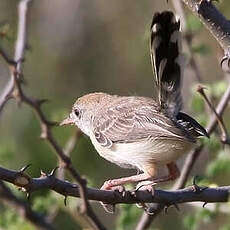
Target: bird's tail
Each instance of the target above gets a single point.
(167, 60)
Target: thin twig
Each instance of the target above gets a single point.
(18, 54)
(46, 134)
(224, 133)
(69, 147)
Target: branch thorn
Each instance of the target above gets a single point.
(149, 211)
(65, 200)
(41, 101)
(43, 174)
(195, 187)
(204, 204)
(23, 169)
(166, 209)
(172, 204)
(28, 196)
(52, 173)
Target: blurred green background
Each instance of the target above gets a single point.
(76, 47)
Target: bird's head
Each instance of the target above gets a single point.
(85, 109)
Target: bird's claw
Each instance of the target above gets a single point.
(196, 188)
(148, 186)
(119, 190)
(110, 208)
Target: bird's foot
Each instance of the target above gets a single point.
(110, 208)
(145, 186)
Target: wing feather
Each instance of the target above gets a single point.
(133, 119)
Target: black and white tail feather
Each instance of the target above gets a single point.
(167, 60)
(168, 65)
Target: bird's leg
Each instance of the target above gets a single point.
(108, 185)
(174, 173)
(146, 176)
(149, 177)
(117, 184)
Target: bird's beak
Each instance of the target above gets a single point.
(67, 121)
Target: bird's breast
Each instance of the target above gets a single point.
(142, 154)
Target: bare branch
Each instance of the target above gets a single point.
(216, 23)
(69, 147)
(14, 89)
(15, 66)
(46, 134)
(224, 134)
(211, 17)
(49, 181)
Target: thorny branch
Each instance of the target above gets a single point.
(167, 198)
(215, 22)
(13, 89)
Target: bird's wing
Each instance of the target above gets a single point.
(167, 60)
(132, 120)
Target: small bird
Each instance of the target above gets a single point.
(139, 132)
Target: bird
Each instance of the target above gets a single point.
(142, 132)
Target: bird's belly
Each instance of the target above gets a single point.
(144, 153)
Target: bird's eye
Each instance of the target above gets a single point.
(77, 112)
